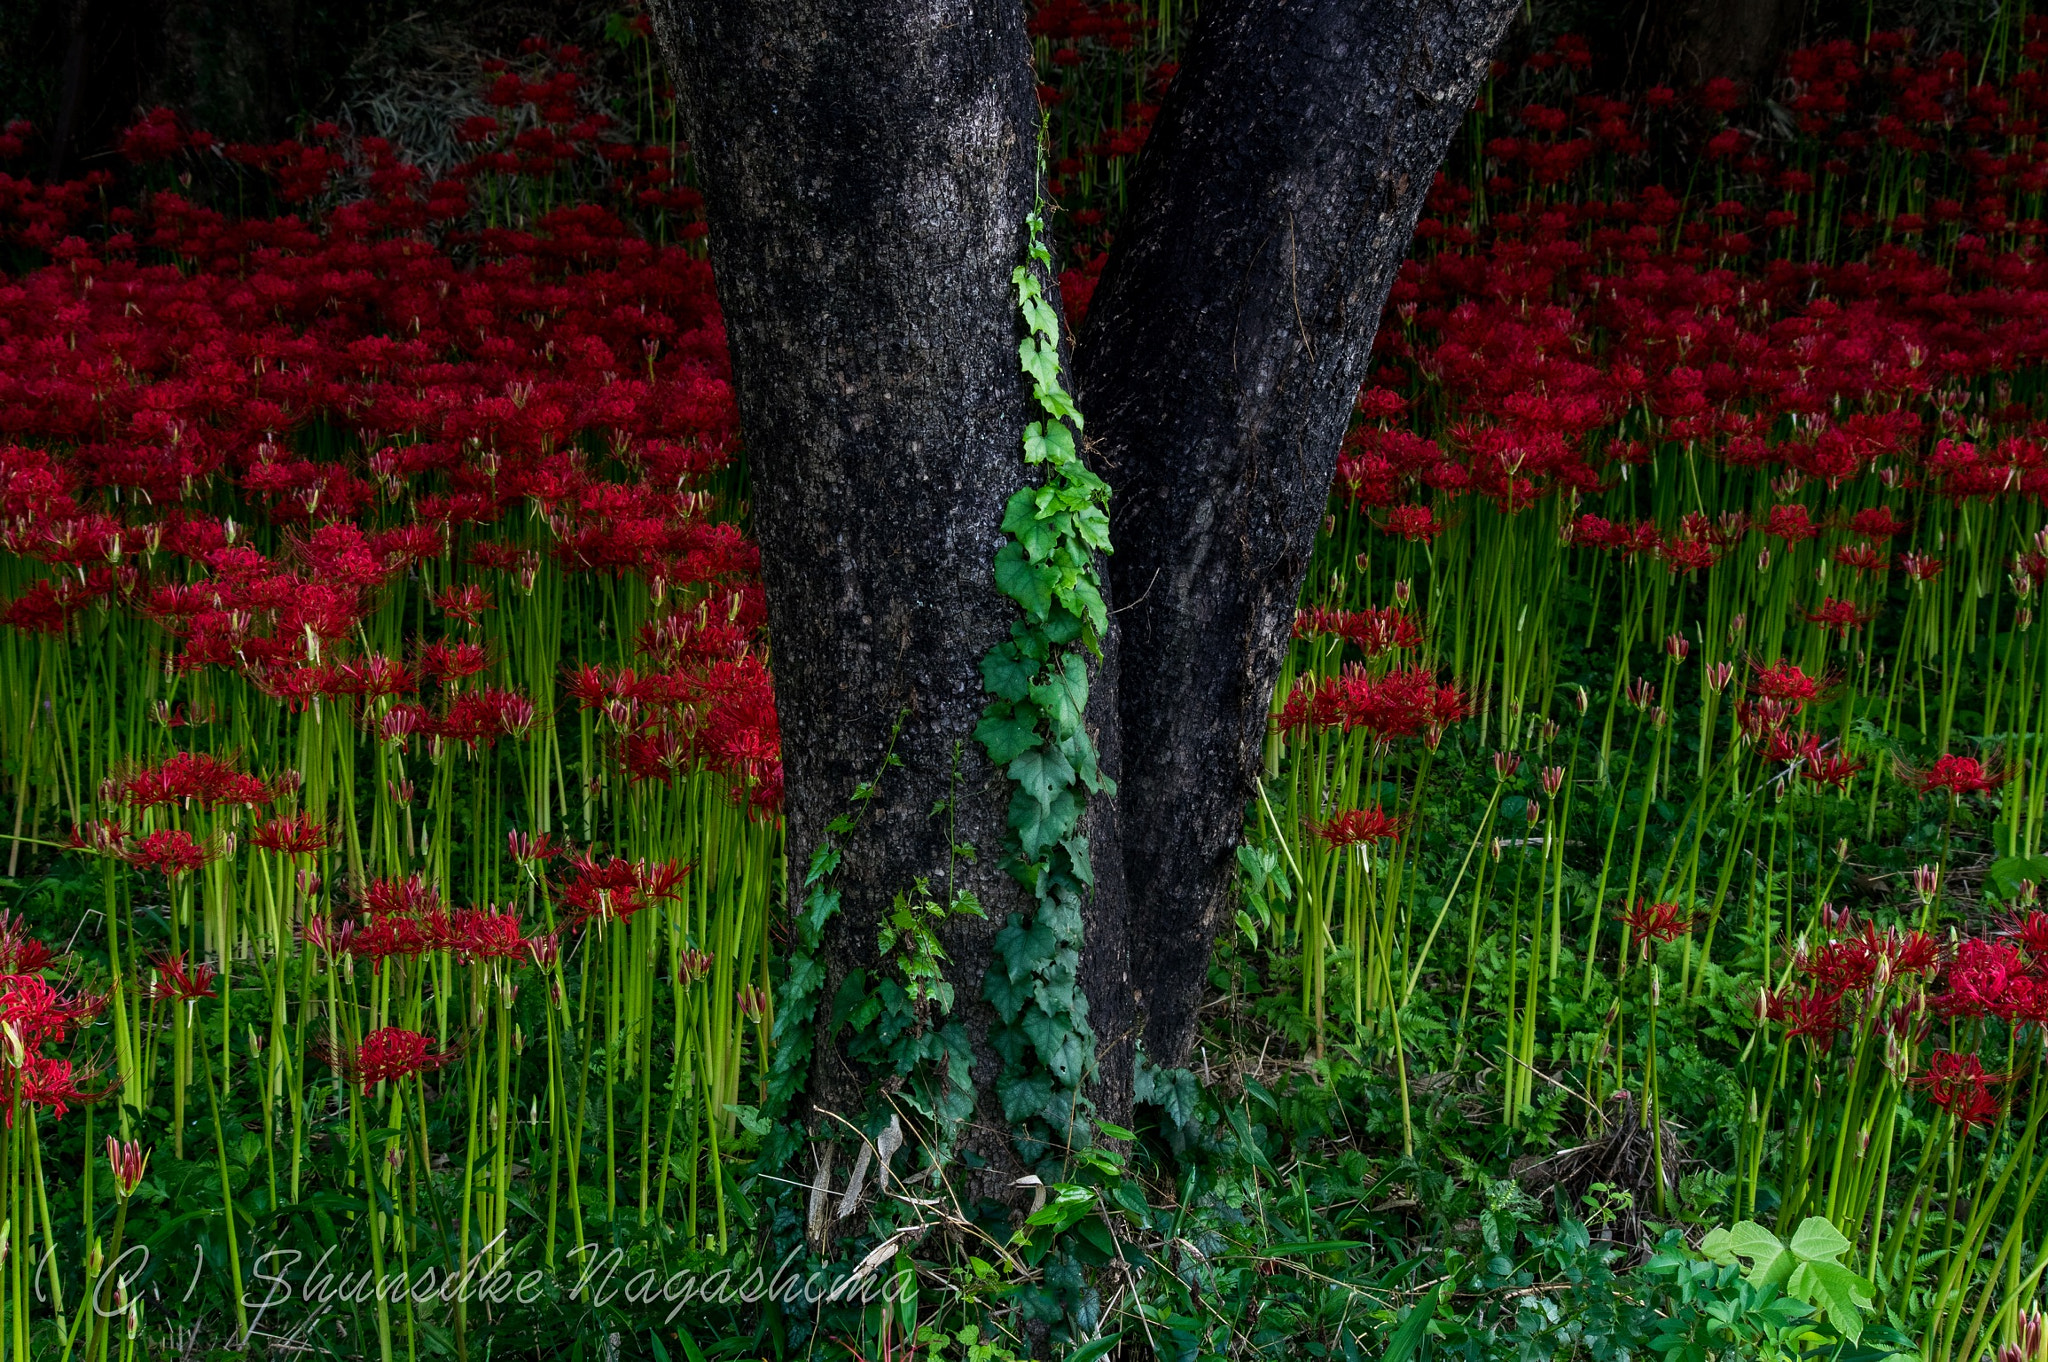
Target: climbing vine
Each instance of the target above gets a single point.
(1033, 729)
(796, 1004)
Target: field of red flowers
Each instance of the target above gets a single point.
(1654, 812)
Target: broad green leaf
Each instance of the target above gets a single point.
(1039, 316)
(1006, 736)
(1008, 673)
(1077, 853)
(1045, 440)
(1817, 1241)
(1041, 361)
(1042, 773)
(1836, 1291)
(1040, 825)
(1020, 510)
(1023, 582)
(1058, 1044)
(1770, 1261)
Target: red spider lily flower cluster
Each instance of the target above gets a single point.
(613, 889)
(1955, 776)
(393, 1053)
(21, 953)
(405, 919)
(1403, 703)
(1656, 923)
(169, 851)
(1371, 631)
(178, 982)
(1349, 827)
(468, 373)
(1958, 1085)
(33, 1014)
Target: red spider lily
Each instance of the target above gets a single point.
(38, 1012)
(532, 847)
(1920, 567)
(1790, 523)
(692, 965)
(1832, 768)
(1349, 827)
(1839, 616)
(614, 890)
(483, 934)
(1403, 703)
(1815, 1014)
(1957, 775)
(1874, 957)
(293, 835)
(465, 603)
(1417, 524)
(44, 1081)
(21, 953)
(127, 1161)
(1876, 523)
(194, 778)
(1656, 922)
(1987, 979)
(1505, 764)
(1783, 681)
(1958, 1085)
(1371, 631)
(171, 851)
(393, 1053)
(178, 983)
(2032, 932)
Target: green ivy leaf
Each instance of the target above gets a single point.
(1058, 1045)
(1039, 316)
(1041, 361)
(1023, 1095)
(1040, 825)
(1043, 774)
(1008, 673)
(1062, 697)
(1077, 852)
(1048, 440)
(1028, 585)
(1007, 734)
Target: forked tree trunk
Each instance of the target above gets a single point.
(868, 166)
(1273, 205)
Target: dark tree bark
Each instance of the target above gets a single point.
(1274, 203)
(868, 167)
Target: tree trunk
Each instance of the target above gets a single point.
(868, 166)
(1273, 205)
